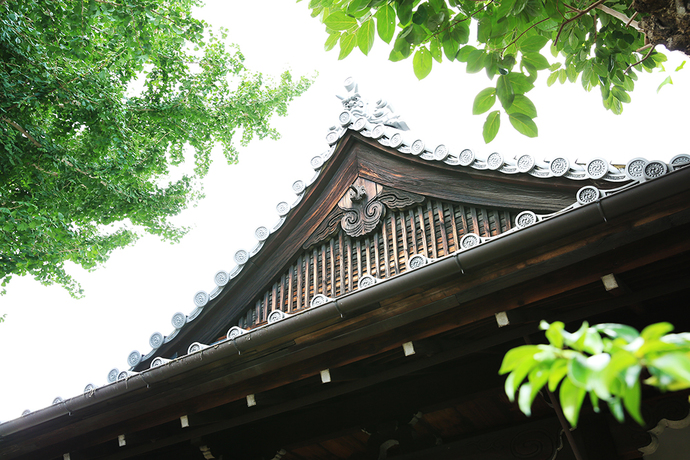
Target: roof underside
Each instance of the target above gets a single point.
(446, 399)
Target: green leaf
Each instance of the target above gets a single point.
(504, 8)
(659, 57)
(347, 44)
(522, 104)
(523, 124)
(562, 76)
(422, 63)
(461, 32)
(537, 379)
(621, 360)
(552, 79)
(475, 61)
(532, 44)
(525, 399)
(450, 47)
(680, 67)
(365, 36)
(404, 11)
(435, 48)
(504, 91)
(616, 409)
(491, 126)
(517, 355)
(578, 372)
(620, 94)
(631, 400)
(332, 41)
(554, 331)
(420, 15)
(385, 22)
(571, 398)
(535, 60)
(484, 101)
(559, 369)
(614, 331)
(571, 73)
(484, 29)
(656, 331)
(518, 6)
(465, 52)
(592, 342)
(338, 20)
(356, 5)
(676, 365)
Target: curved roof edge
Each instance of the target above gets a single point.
(380, 122)
(608, 207)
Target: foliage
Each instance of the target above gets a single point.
(101, 100)
(604, 361)
(600, 44)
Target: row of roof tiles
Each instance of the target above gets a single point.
(395, 135)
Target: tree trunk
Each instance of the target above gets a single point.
(668, 23)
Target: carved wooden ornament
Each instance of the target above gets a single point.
(361, 210)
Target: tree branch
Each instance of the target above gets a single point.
(523, 33)
(52, 173)
(23, 131)
(618, 15)
(462, 20)
(649, 53)
(577, 16)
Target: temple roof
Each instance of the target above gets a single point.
(377, 123)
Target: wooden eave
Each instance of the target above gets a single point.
(358, 156)
(452, 317)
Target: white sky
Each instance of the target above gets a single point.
(53, 345)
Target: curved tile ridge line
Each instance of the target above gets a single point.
(379, 121)
(637, 169)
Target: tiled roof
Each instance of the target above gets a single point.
(380, 122)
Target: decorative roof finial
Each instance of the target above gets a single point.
(383, 113)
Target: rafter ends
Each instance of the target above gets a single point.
(502, 319)
(610, 282)
(325, 376)
(408, 348)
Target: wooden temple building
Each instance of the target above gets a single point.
(371, 320)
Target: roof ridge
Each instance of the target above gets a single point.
(380, 122)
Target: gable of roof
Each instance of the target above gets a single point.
(373, 145)
(547, 254)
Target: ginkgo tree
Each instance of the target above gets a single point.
(101, 100)
(604, 361)
(604, 43)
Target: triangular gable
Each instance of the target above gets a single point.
(411, 326)
(415, 202)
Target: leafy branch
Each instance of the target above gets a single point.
(522, 34)
(605, 361)
(579, 14)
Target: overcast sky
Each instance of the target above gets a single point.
(53, 345)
